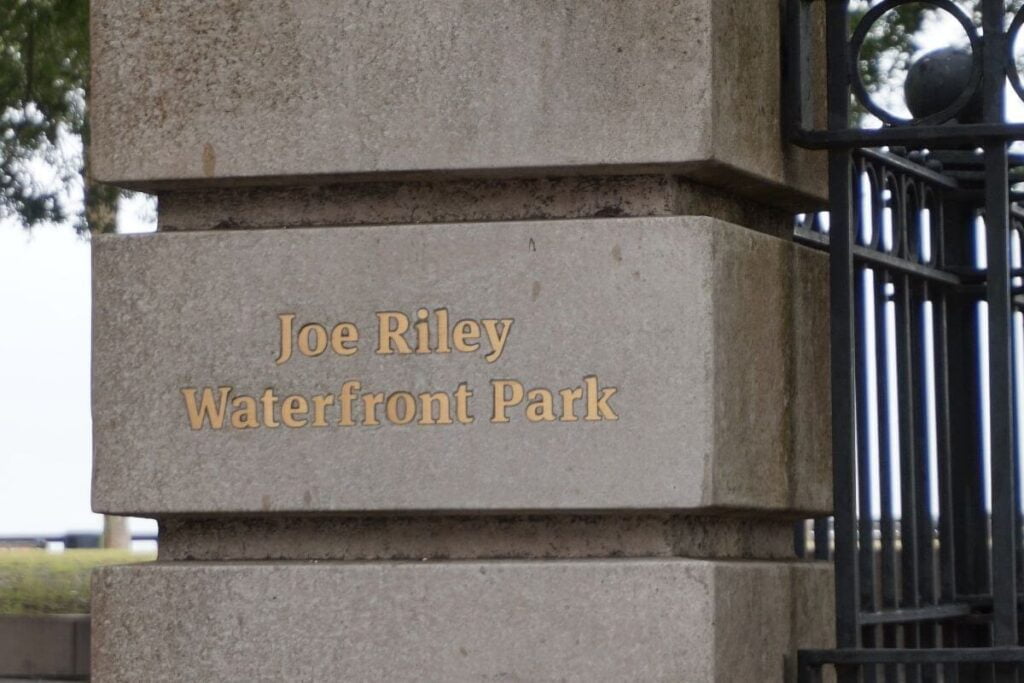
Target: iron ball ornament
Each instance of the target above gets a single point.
(937, 79)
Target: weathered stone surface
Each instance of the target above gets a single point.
(457, 201)
(813, 612)
(263, 91)
(700, 326)
(44, 646)
(441, 537)
(678, 620)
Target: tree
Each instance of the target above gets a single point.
(44, 76)
(887, 49)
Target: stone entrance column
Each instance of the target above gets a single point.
(472, 344)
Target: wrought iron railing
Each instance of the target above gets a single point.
(924, 238)
(923, 547)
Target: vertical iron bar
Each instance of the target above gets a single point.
(800, 539)
(1003, 476)
(947, 556)
(821, 545)
(970, 524)
(885, 460)
(862, 312)
(923, 531)
(943, 458)
(1004, 581)
(797, 102)
(865, 522)
(925, 528)
(907, 401)
(841, 284)
(1015, 227)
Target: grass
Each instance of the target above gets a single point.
(42, 582)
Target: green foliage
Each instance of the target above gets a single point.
(890, 43)
(42, 582)
(44, 73)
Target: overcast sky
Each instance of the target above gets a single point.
(45, 423)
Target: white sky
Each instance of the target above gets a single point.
(45, 423)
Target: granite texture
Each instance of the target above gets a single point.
(440, 537)
(187, 94)
(691, 320)
(654, 620)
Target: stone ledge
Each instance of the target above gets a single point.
(651, 620)
(390, 537)
(457, 201)
(187, 94)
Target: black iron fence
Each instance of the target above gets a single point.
(923, 491)
(925, 238)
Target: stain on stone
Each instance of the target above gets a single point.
(265, 503)
(209, 160)
(228, 223)
(307, 497)
(535, 293)
(160, 108)
(617, 253)
(609, 212)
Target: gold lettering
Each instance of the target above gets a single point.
(388, 336)
(540, 408)
(569, 398)
(408, 413)
(370, 403)
(597, 407)
(503, 399)
(422, 331)
(465, 331)
(244, 414)
(444, 408)
(344, 336)
(347, 398)
(316, 331)
(268, 400)
(213, 407)
(442, 331)
(292, 405)
(207, 409)
(320, 403)
(286, 337)
(497, 339)
(462, 396)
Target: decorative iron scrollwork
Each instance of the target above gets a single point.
(945, 113)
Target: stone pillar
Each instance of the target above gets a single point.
(472, 344)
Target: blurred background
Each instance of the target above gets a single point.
(45, 425)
